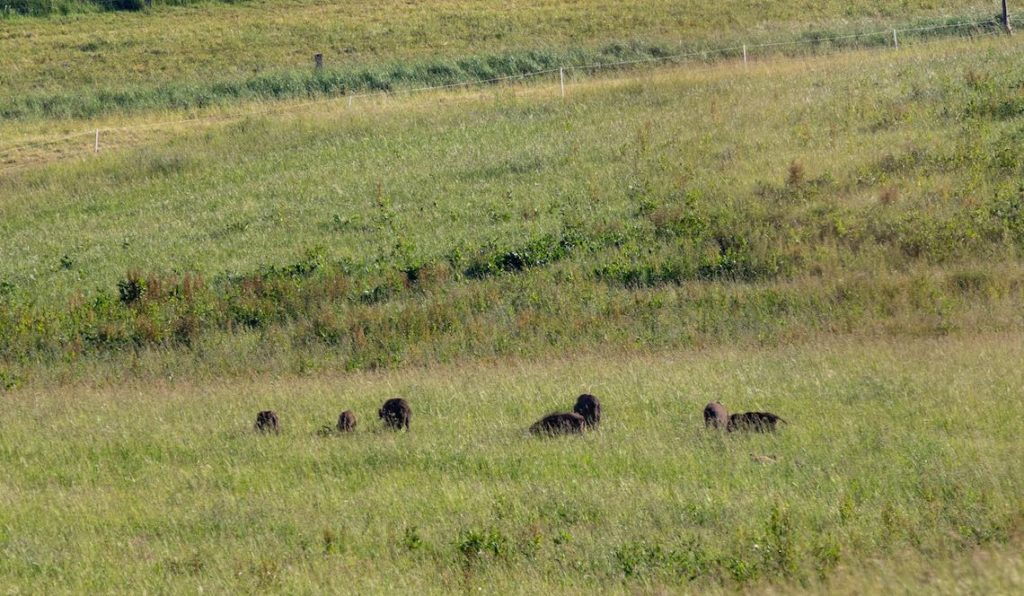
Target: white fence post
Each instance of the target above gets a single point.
(561, 80)
(895, 40)
(744, 54)
(96, 145)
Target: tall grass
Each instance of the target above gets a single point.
(65, 7)
(397, 76)
(837, 240)
(440, 72)
(218, 53)
(163, 485)
(381, 236)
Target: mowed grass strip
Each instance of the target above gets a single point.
(893, 449)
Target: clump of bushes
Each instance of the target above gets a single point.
(576, 279)
(540, 251)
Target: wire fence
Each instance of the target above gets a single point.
(744, 52)
(972, 15)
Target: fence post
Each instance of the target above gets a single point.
(1006, 19)
(96, 145)
(744, 54)
(350, 101)
(895, 40)
(561, 80)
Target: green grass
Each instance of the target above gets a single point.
(9, 8)
(894, 449)
(670, 210)
(187, 57)
(835, 238)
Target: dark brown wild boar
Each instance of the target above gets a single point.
(559, 424)
(589, 407)
(715, 415)
(395, 413)
(266, 421)
(347, 421)
(759, 422)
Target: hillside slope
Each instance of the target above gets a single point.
(188, 56)
(875, 191)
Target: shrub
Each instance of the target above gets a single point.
(132, 288)
(795, 173)
(477, 545)
(638, 559)
(1008, 210)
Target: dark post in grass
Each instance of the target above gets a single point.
(318, 61)
(1006, 18)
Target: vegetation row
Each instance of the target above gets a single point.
(680, 271)
(527, 226)
(48, 7)
(90, 101)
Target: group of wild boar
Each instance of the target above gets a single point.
(586, 414)
(395, 413)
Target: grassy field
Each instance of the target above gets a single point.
(869, 192)
(895, 451)
(37, 8)
(191, 56)
(834, 236)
